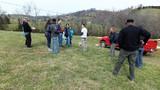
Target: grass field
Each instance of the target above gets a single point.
(35, 68)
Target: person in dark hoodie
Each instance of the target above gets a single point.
(67, 34)
(48, 35)
(54, 35)
(27, 29)
(128, 41)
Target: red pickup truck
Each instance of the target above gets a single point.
(151, 45)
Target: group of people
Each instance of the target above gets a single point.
(131, 40)
(55, 33)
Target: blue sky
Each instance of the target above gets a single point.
(53, 7)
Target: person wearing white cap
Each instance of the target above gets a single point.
(27, 29)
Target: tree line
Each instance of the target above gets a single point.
(98, 22)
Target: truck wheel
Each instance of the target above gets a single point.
(103, 44)
(144, 53)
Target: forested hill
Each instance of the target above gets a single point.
(147, 17)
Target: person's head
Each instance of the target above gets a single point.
(129, 22)
(54, 20)
(47, 23)
(70, 27)
(112, 29)
(26, 19)
(83, 25)
(59, 21)
(67, 25)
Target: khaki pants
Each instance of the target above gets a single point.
(131, 56)
(112, 50)
(84, 44)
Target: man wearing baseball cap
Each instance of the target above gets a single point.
(128, 41)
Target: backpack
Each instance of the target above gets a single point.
(53, 29)
(48, 32)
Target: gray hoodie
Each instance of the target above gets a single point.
(53, 29)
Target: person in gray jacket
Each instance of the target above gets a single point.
(54, 35)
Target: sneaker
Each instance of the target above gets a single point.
(139, 67)
(131, 79)
(115, 74)
(29, 46)
(49, 49)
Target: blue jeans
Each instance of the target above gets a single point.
(48, 42)
(68, 41)
(55, 45)
(60, 39)
(139, 57)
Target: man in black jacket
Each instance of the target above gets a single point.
(27, 30)
(129, 39)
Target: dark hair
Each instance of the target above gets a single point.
(48, 22)
(67, 24)
(83, 24)
(54, 20)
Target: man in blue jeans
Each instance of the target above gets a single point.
(55, 34)
(139, 55)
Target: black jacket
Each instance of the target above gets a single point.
(129, 38)
(26, 27)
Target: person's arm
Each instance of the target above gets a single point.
(146, 35)
(26, 27)
(120, 39)
(81, 32)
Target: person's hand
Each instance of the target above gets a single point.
(33, 29)
(142, 42)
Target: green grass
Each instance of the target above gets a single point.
(35, 68)
(12, 27)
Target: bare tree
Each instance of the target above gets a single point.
(27, 9)
(36, 12)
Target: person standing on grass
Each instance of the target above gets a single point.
(60, 38)
(113, 38)
(27, 29)
(48, 35)
(71, 34)
(67, 34)
(84, 37)
(128, 41)
(139, 55)
(54, 34)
